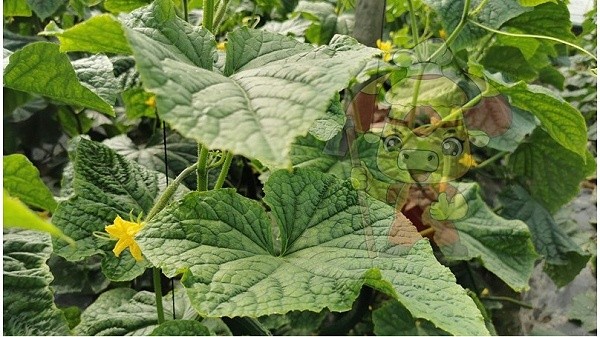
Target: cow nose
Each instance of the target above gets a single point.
(423, 160)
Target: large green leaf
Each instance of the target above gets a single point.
(100, 34)
(104, 185)
(493, 14)
(309, 152)
(22, 180)
(522, 124)
(123, 311)
(392, 319)
(156, 33)
(561, 253)
(41, 68)
(510, 61)
(332, 243)
(28, 301)
(551, 173)
(278, 96)
(549, 19)
(561, 120)
(45, 8)
(503, 246)
(96, 73)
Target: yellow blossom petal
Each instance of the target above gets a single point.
(221, 46)
(443, 34)
(151, 102)
(386, 47)
(467, 160)
(124, 231)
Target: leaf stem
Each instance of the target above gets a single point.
(221, 9)
(463, 21)
(478, 8)
(508, 299)
(543, 37)
(208, 14)
(413, 22)
(224, 170)
(169, 191)
(491, 159)
(158, 294)
(202, 172)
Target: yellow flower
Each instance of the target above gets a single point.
(386, 47)
(221, 46)
(443, 34)
(124, 231)
(467, 160)
(151, 102)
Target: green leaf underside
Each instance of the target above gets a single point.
(584, 310)
(562, 121)
(100, 34)
(494, 14)
(181, 328)
(223, 244)
(41, 68)
(105, 185)
(551, 241)
(275, 95)
(522, 124)
(28, 301)
(504, 247)
(96, 73)
(123, 311)
(22, 180)
(551, 173)
(392, 319)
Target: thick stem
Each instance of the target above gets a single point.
(208, 14)
(169, 191)
(224, 170)
(413, 22)
(158, 294)
(185, 10)
(202, 172)
(221, 9)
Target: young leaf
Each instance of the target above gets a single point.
(28, 301)
(99, 34)
(245, 112)
(223, 244)
(123, 311)
(105, 185)
(561, 121)
(561, 253)
(22, 180)
(504, 247)
(41, 68)
(551, 173)
(16, 214)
